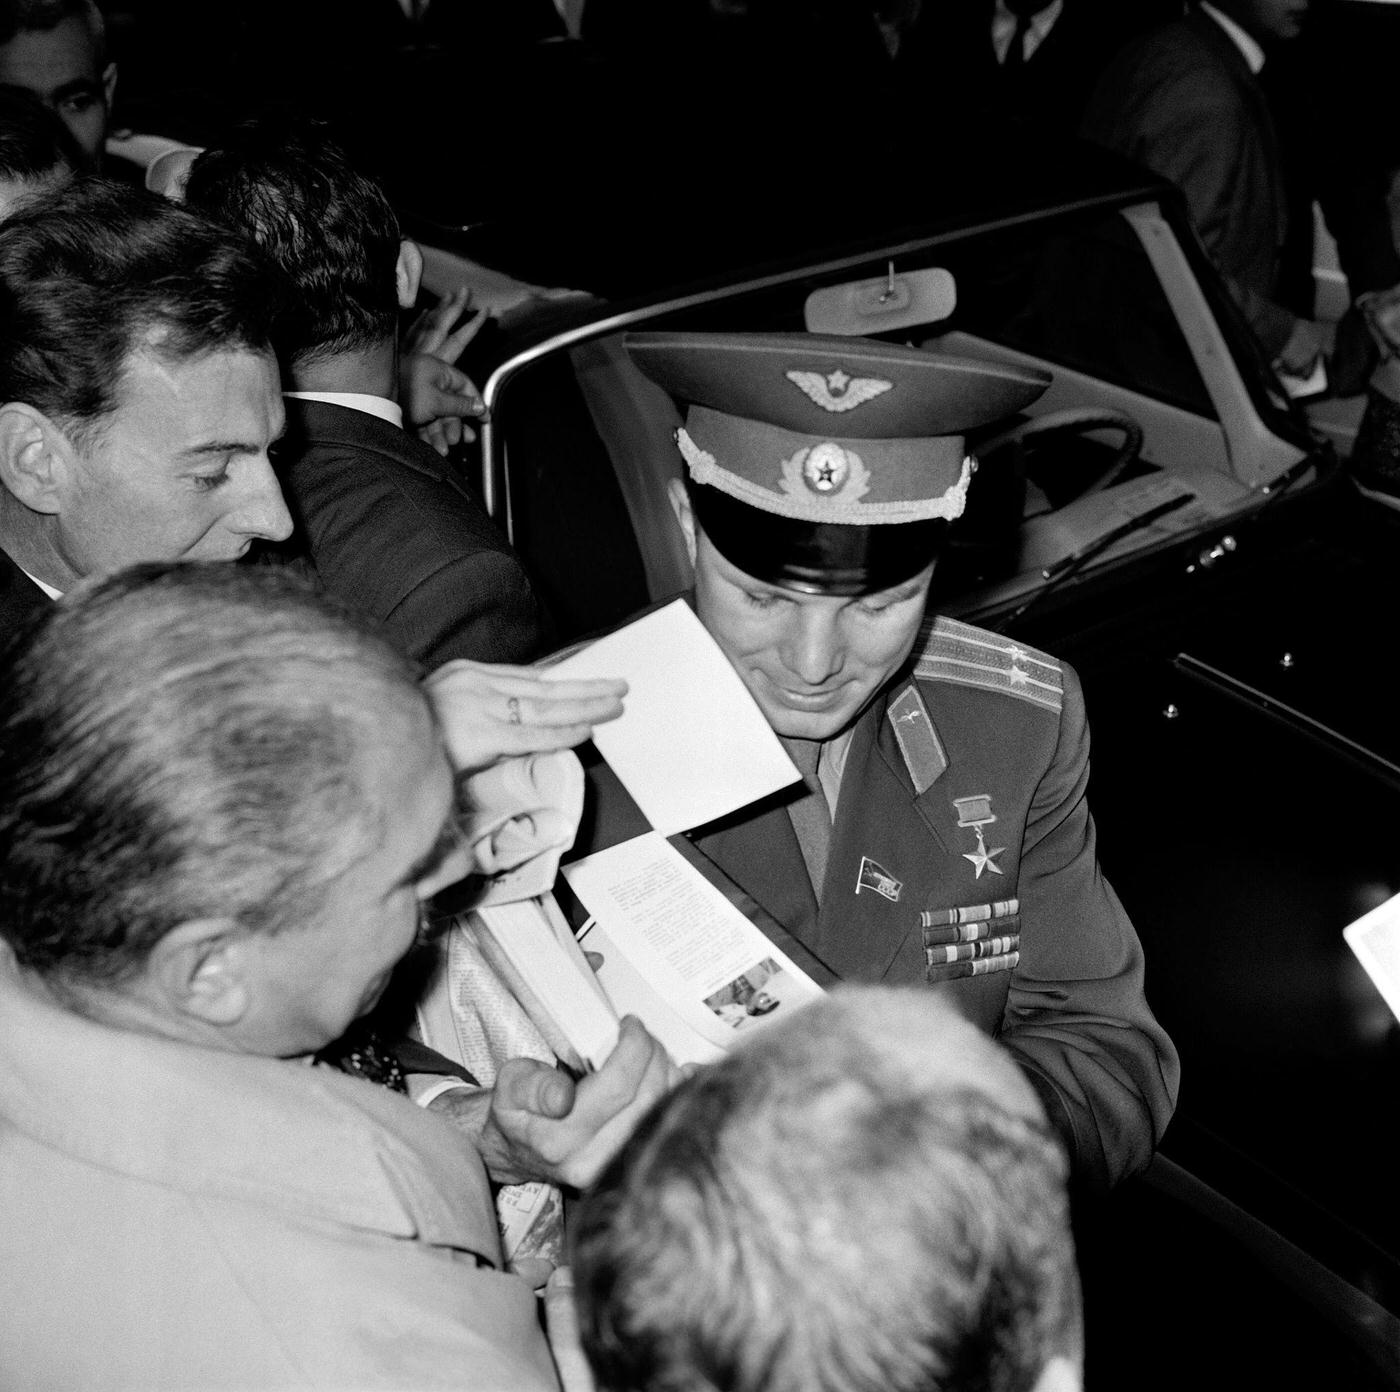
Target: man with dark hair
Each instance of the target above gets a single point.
(56, 51)
(36, 152)
(388, 527)
(864, 1198)
(943, 835)
(223, 807)
(139, 394)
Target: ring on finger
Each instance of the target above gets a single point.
(513, 710)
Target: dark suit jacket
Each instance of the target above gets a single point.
(948, 62)
(397, 538)
(1005, 723)
(20, 597)
(1182, 101)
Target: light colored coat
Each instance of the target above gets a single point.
(176, 1217)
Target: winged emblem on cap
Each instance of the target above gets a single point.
(838, 391)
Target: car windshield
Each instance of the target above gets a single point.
(1129, 430)
(1079, 292)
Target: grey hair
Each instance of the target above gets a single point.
(181, 742)
(819, 1212)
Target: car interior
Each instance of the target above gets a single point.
(1161, 442)
(1149, 432)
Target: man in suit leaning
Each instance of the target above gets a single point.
(1186, 101)
(387, 526)
(943, 837)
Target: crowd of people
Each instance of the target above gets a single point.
(258, 636)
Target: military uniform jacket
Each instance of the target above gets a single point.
(979, 721)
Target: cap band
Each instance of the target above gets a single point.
(852, 482)
(814, 557)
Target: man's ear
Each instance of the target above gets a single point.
(199, 969)
(408, 274)
(1059, 1375)
(109, 84)
(36, 458)
(685, 514)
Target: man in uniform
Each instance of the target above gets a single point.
(944, 836)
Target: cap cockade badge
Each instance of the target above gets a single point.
(838, 391)
(826, 469)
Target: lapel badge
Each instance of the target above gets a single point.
(875, 876)
(976, 812)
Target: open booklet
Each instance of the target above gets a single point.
(676, 953)
(691, 746)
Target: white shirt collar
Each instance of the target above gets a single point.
(379, 406)
(47, 589)
(1004, 28)
(1247, 44)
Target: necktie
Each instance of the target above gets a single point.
(811, 817)
(1015, 58)
(361, 1053)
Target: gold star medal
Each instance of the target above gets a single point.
(976, 813)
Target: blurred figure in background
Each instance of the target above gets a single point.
(36, 151)
(1186, 100)
(56, 51)
(1030, 61)
(864, 1198)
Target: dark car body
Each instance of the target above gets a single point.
(1224, 593)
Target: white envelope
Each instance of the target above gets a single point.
(691, 744)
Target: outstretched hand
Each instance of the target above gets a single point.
(490, 711)
(436, 396)
(1381, 311)
(543, 1125)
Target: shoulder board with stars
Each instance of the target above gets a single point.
(949, 651)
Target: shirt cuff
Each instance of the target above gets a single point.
(436, 1088)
